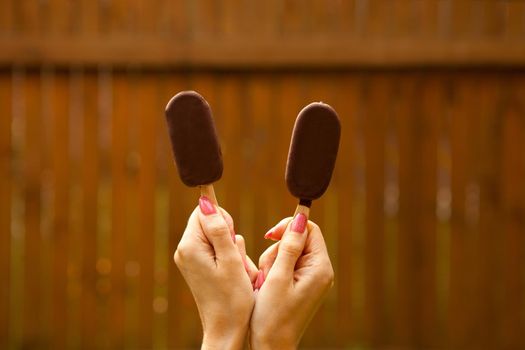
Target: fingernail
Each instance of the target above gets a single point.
(260, 279)
(299, 223)
(233, 237)
(206, 206)
(268, 234)
(263, 278)
(245, 263)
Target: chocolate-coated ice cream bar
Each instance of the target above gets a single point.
(194, 141)
(313, 151)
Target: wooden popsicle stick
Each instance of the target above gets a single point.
(302, 209)
(208, 191)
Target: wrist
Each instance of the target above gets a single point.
(222, 339)
(258, 342)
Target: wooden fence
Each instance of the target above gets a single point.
(424, 219)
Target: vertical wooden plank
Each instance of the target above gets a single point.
(320, 19)
(60, 132)
(90, 180)
(148, 16)
(391, 202)
(6, 17)
(443, 209)
(32, 309)
(347, 105)
(293, 17)
(6, 155)
(90, 18)
(426, 162)
(257, 157)
(205, 19)
(230, 21)
(132, 266)
(494, 18)
(290, 100)
(59, 17)
(32, 201)
(512, 328)
(162, 253)
(229, 120)
(118, 14)
(460, 313)
(148, 92)
(406, 292)
(461, 19)
(75, 203)
(178, 24)
(489, 245)
(374, 124)
(379, 18)
(514, 24)
(345, 14)
(426, 13)
(404, 19)
(118, 211)
(28, 17)
(104, 225)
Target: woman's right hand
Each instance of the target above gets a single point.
(295, 274)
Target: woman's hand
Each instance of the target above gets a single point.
(298, 275)
(213, 261)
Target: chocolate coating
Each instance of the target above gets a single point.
(313, 151)
(193, 139)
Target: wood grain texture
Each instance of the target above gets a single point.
(489, 253)
(90, 202)
(60, 154)
(460, 313)
(32, 310)
(148, 92)
(346, 105)
(513, 212)
(119, 200)
(484, 131)
(154, 51)
(424, 217)
(377, 95)
(6, 184)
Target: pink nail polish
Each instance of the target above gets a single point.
(263, 278)
(268, 234)
(206, 206)
(299, 223)
(260, 280)
(245, 263)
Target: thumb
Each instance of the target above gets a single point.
(216, 229)
(291, 246)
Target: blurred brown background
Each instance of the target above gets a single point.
(425, 217)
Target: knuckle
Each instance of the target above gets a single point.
(239, 239)
(182, 254)
(314, 226)
(291, 248)
(217, 229)
(177, 258)
(326, 276)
